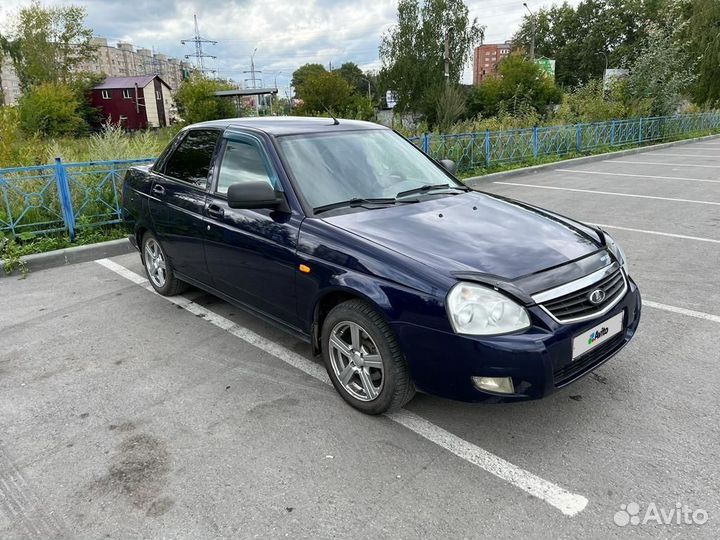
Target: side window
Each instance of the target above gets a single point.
(190, 162)
(241, 162)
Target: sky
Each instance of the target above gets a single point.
(286, 33)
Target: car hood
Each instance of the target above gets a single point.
(474, 232)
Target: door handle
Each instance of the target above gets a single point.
(215, 211)
(158, 190)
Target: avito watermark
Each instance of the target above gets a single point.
(680, 514)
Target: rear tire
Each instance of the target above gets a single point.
(158, 267)
(364, 360)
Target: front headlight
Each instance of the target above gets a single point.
(618, 252)
(477, 310)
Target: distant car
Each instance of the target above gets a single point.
(348, 236)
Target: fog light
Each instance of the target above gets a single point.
(500, 385)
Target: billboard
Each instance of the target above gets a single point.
(547, 66)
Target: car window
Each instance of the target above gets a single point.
(241, 162)
(191, 160)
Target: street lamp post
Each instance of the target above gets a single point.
(534, 31)
(367, 81)
(447, 54)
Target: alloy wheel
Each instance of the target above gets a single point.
(155, 263)
(356, 361)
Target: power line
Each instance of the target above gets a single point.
(199, 55)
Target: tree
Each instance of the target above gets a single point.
(196, 100)
(50, 44)
(354, 76)
(412, 51)
(301, 74)
(50, 110)
(702, 30)
(583, 39)
(520, 83)
(661, 74)
(325, 92)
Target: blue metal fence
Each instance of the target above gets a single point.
(481, 150)
(61, 196)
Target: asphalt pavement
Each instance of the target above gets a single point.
(124, 414)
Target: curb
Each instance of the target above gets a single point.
(73, 255)
(474, 181)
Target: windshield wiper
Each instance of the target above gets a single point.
(429, 187)
(355, 201)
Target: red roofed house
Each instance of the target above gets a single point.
(134, 102)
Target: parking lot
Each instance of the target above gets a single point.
(125, 414)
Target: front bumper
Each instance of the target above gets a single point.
(539, 360)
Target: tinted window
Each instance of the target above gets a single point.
(191, 160)
(241, 162)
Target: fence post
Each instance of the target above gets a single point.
(63, 188)
(612, 133)
(426, 143)
(578, 137)
(640, 132)
(535, 141)
(487, 147)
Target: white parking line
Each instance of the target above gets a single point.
(668, 154)
(610, 193)
(682, 311)
(665, 164)
(651, 177)
(658, 233)
(568, 503)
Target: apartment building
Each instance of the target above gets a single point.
(486, 59)
(121, 60)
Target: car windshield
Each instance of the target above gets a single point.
(359, 165)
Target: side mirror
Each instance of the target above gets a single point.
(256, 194)
(449, 165)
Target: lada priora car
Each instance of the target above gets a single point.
(401, 277)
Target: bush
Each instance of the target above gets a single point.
(196, 101)
(51, 110)
(520, 83)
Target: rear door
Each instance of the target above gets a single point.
(251, 253)
(177, 201)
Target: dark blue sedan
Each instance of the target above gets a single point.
(402, 278)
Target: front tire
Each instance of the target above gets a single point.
(364, 360)
(158, 268)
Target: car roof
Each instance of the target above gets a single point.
(290, 125)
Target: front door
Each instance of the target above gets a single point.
(177, 203)
(251, 253)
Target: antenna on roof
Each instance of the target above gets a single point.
(336, 122)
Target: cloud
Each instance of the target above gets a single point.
(286, 33)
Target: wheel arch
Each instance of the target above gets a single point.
(335, 296)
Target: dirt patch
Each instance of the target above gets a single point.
(139, 472)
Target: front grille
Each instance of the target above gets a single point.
(587, 361)
(577, 305)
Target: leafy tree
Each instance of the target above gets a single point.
(50, 109)
(50, 44)
(661, 74)
(196, 100)
(301, 74)
(354, 76)
(702, 30)
(412, 51)
(323, 92)
(520, 83)
(583, 39)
